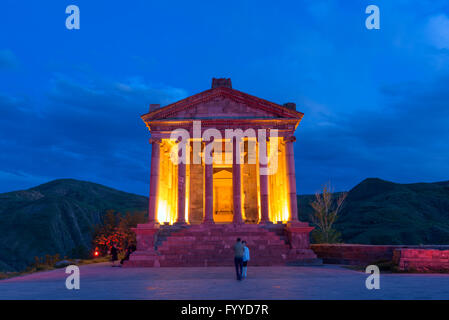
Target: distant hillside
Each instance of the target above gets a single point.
(59, 216)
(382, 212)
(56, 217)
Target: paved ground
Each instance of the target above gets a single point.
(321, 282)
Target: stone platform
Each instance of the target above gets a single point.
(102, 282)
(211, 245)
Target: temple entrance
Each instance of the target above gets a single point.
(223, 206)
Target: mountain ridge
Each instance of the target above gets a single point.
(59, 216)
(383, 212)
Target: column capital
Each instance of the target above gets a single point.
(290, 138)
(155, 140)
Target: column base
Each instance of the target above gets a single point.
(298, 237)
(139, 259)
(146, 236)
(148, 225)
(298, 234)
(145, 255)
(298, 224)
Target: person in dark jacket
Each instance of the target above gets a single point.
(131, 248)
(238, 258)
(114, 254)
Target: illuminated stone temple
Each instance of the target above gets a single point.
(197, 208)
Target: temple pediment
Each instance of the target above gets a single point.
(224, 103)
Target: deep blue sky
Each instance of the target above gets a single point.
(376, 102)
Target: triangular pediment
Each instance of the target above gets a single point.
(222, 103)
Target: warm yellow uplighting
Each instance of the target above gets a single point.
(162, 211)
(168, 186)
(278, 187)
(259, 207)
(279, 206)
(187, 192)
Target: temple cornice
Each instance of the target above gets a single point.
(280, 124)
(232, 94)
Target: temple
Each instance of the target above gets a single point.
(247, 188)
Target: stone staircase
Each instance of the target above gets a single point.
(166, 231)
(211, 245)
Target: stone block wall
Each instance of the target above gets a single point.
(359, 254)
(421, 260)
(352, 254)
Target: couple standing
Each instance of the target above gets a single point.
(241, 258)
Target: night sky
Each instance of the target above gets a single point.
(376, 102)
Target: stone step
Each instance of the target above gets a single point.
(212, 245)
(207, 263)
(254, 252)
(225, 236)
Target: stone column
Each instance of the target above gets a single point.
(297, 231)
(181, 219)
(145, 255)
(236, 182)
(208, 193)
(154, 179)
(290, 161)
(263, 179)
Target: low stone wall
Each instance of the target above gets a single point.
(421, 260)
(352, 254)
(359, 254)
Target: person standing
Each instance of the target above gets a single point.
(245, 259)
(114, 254)
(238, 258)
(131, 248)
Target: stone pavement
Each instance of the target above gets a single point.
(100, 281)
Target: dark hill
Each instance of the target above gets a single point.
(382, 212)
(56, 217)
(59, 216)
